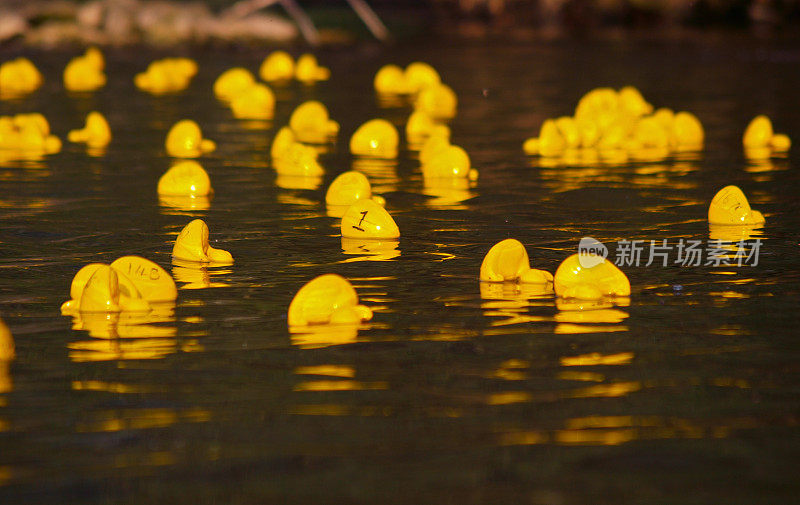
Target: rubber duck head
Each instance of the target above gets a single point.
(730, 207)
(308, 70)
(192, 245)
(376, 138)
(365, 219)
(598, 279)
(84, 73)
(758, 133)
(19, 77)
(185, 140)
(508, 261)
(256, 102)
(232, 82)
(278, 66)
(310, 123)
(390, 80)
(281, 143)
(449, 161)
(298, 160)
(327, 299)
(419, 75)
(347, 188)
(185, 178)
(96, 132)
(437, 100)
(687, 130)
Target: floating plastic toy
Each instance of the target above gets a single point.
(308, 70)
(760, 140)
(390, 80)
(298, 160)
(185, 140)
(310, 123)
(192, 245)
(327, 299)
(507, 261)
(687, 131)
(168, 75)
(281, 143)
(730, 207)
(419, 75)
(85, 73)
(185, 178)
(365, 219)
(232, 82)
(420, 126)
(278, 66)
(96, 133)
(349, 187)
(377, 138)
(437, 100)
(27, 136)
(255, 102)
(449, 161)
(18, 78)
(602, 278)
(153, 282)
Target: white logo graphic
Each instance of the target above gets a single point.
(591, 252)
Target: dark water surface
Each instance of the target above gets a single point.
(450, 394)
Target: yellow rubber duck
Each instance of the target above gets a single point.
(298, 160)
(507, 261)
(548, 143)
(327, 299)
(27, 135)
(449, 161)
(377, 138)
(100, 288)
(421, 125)
(308, 70)
(168, 75)
(255, 102)
(419, 75)
(282, 142)
(310, 123)
(96, 133)
(349, 187)
(185, 178)
(730, 207)
(439, 101)
(602, 278)
(232, 82)
(390, 80)
(759, 135)
(277, 66)
(19, 77)
(185, 140)
(687, 131)
(85, 73)
(192, 245)
(631, 100)
(365, 219)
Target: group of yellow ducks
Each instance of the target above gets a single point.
(606, 122)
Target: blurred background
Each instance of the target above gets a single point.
(169, 22)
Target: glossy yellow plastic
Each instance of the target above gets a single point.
(781, 142)
(648, 132)
(308, 71)
(569, 130)
(28, 135)
(277, 66)
(687, 131)
(282, 142)
(507, 261)
(390, 80)
(347, 188)
(551, 142)
(365, 219)
(420, 126)
(431, 147)
(108, 290)
(168, 75)
(76, 287)
(298, 160)
(730, 207)
(255, 102)
(232, 82)
(327, 299)
(152, 281)
(310, 123)
(96, 132)
(192, 245)
(449, 161)
(7, 352)
(632, 101)
(85, 73)
(437, 100)
(419, 75)
(758, 133)
(185, 178)
(376, 138)
(19, 77)
(185, 140)
(573, 280)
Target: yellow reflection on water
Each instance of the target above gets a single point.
(7, 355)
(113, 387)
(589, 316)
(511, 301)
(339, 385)
(157, 458)
(142, 419)
(508, 398)
(184, 204)
(370, 250)
(382, 174)
(594, 437)
(448, 192)
(613, 390)
(305, 182)
(571, 375)
(595, 358)
(197, 275)
(327, 370)
(6, 473)
(323, 335)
